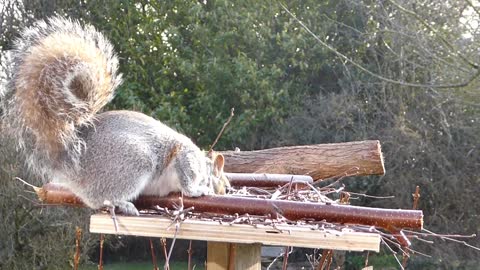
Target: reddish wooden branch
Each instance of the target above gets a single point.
(319, 161)
(389, 219)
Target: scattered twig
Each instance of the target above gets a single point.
(163, 241)
(312, 259)
(326, 259)
(111, 208)
(337, 180)
(154, 258)
(275, 260)
(418, 252)
(397, 245)
(416, 197)
(393, 252)
(26, 183)
(177, 227)
(76, 258)
(100, 260)
(429, 233)
(190, 252)
(287, 249)
(178, 217)
(366, 259)
(222, 130)
(454, 240)
(371, 196)
(416, 237)
(285, 257)
(330, 260)
(321, 198)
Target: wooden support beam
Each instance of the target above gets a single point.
(222, 256)
(319, 161)
(218, 255)
(282, 235)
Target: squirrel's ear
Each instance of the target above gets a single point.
(218, 163)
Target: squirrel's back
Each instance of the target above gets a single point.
(63, 74)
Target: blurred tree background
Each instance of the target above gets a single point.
(403, 72)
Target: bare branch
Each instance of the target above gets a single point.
(222, 130)
(378, 76)
(429, 27)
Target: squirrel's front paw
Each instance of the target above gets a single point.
(198, 191)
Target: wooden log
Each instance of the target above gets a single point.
(319, 161)
(265, 179)
(389, 219)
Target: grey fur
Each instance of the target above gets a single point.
(38, 159)
(107, 158)
(126, 151)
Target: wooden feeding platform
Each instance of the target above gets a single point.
(246, 240)
(297, 223)
(281, 235)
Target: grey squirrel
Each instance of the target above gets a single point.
(63, 74)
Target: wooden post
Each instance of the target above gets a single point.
(246, 256)
(217, 255)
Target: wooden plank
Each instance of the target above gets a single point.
(298, 236)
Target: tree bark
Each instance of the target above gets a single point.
(319, 161)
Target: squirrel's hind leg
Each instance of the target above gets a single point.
(127, 208)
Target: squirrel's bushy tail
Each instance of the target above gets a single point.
(63, 74)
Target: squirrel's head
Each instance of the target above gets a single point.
(218, 180)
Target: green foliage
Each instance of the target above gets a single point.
(188, 63)
(377, 261)
(32, 237)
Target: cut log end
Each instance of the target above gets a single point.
(55, 194)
